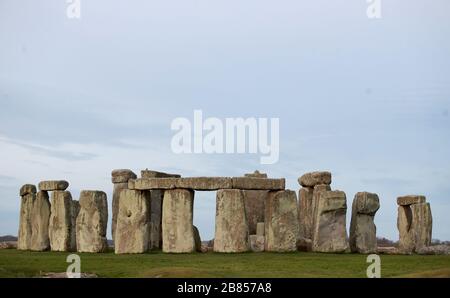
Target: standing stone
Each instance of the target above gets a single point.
(40, 217)
(330, 234)
(318, 189)
(177, 221)
(281, 226)
(156, 218)
(92, 222)
(414, 223)
(197, 239)
(231, 223)
(28, 195)
(120, 180)
(363, 237)
(305, 212)
(75, 209)
(133, 222)
(60, 226)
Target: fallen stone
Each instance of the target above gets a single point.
(40, 217)
(256, 243)
(92, 222)
(197, 240)
(260, 229)
(133, 222)
(256, 174)
(117, 190)
(254, 201)
(25, 220)
(281, 221)
(27, 189)
(409, 200)
(8, 245)
(314, 178)
(440, 249)
(362, 227)
(53, 185)
(155, 174)
(60, 227)
(330, 233)
(122, 175)
(258, 183)
(387, 250)
(177, 221)
(231, 233)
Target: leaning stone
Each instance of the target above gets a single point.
(40, 216)
(133, 222)
(314, 178)
(27, 189)
(53, 185)
(256, 174)
(92, 222)
(155, 174)
(409, 200)
(330, 234)
(256, 243)
(75, 209)
(260, 229)
(362, 227)
(60, 227)
(25, 221)
(197, 239)
(122, 175)
(258, 183)
(305, 212)
(254, 201)
(231, 223)
(155, 218)
(177, 221)
(281, 221)
(117, 190)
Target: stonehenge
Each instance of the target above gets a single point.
(414, 223)
(253, 213)
(362, 227)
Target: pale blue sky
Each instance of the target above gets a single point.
(366, 99)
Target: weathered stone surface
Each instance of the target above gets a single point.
(260, 229)
(122, 175)
(25, 221)
(305, 212)
(74, 214)
(254, 201)
(197, 240)
(204, 183)
(362, 227)
(92, 222)
(27, 189)
(52, 185)
(177, 221)
(256, 243)
(132, 184)
(117, 190)
(414, 223)
(40, 217)
(256, 174)
(318, 189)
(330, 233)
(156, 219)
(133, 222)
(231, 223)
(258, 183)
(314, 178)
(155, 174)
(60, 226)
(387, 250)
(281, 221)
(411, 199)
(155, 183)
(434, 250)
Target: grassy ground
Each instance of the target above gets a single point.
(15, 263)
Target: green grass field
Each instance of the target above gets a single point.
(15, 263)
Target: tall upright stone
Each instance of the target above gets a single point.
(330, 234)
(177, 221)
(75, 209)
(231, 234)
(28, 195)
(414, 223)
(305, 212)
(119, 178)
(133, 222)
(40, 217)
(281, 225)
(255, 203)
(363, 237)
(60, 226)
(92, 222)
